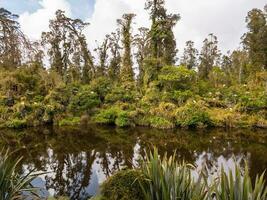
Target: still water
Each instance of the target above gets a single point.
(78, 160)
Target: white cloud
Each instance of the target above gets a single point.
(33, 24)
(106, 13)
(224, 18)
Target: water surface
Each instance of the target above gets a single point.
(80, 159)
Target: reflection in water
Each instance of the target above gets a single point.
(78, 160)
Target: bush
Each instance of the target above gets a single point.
(71, 121)
(107, 116)
(193, 114)
(123, 119)
(164, 110)
(123, 186)
(16, 123)
(113, 116)
(176, 78)
(84, 100)
(120, 94)
(160, 122)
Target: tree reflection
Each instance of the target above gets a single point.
(78, 160)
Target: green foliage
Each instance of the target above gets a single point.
(13, 185)
(176, 78)
(70, 121)
(160, 122)
(84, 100)
(122, 186)
(123, 119)
(236, 185)
(106, 116)
(163, 178)
(16, 123)
(166, 179)
(118, 94)
(114, 116)
(193, 114)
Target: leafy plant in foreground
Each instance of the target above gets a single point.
(167, 179)
(12, 185)
(237, 186)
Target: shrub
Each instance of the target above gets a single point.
(84, 100)
(176, 78)
(16, 123)
(123, 119)
(120, 94)
(193, 114)
(164, 110)
(101, 86)
(70, 121)
(123, 186)
(107, 116)
(160, 122)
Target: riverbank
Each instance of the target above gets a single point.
(165, 116)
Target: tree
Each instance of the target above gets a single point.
(209, 56)
(12, 41)
(141, 41)
(126, 71)
(162, 40)
(115, 47)
(67, 45)
(254, 40)
(103, 56)
(189, 58)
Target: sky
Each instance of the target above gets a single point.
(224, 18)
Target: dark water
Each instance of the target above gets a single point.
(79, 159)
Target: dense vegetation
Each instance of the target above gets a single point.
(166, 179)
(133, 79)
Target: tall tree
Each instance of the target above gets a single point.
(102, 51)
(141, 41)
(162, 42)
(209, 56)
(254, 40)
(189, 58)
(12, 41)
(126, 71)
(115, 48)
(66, 42)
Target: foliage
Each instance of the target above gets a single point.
(166, 179)
(193, 114)
(162, 95)
(84, 100)
(176, 78)
(16, 123)
(122, 186)
(163, 178)
(235, 185)
(71, 121)
(13, 185)
(160, 122)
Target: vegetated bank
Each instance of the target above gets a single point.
(205, 89)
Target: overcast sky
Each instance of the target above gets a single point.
(224, 18)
